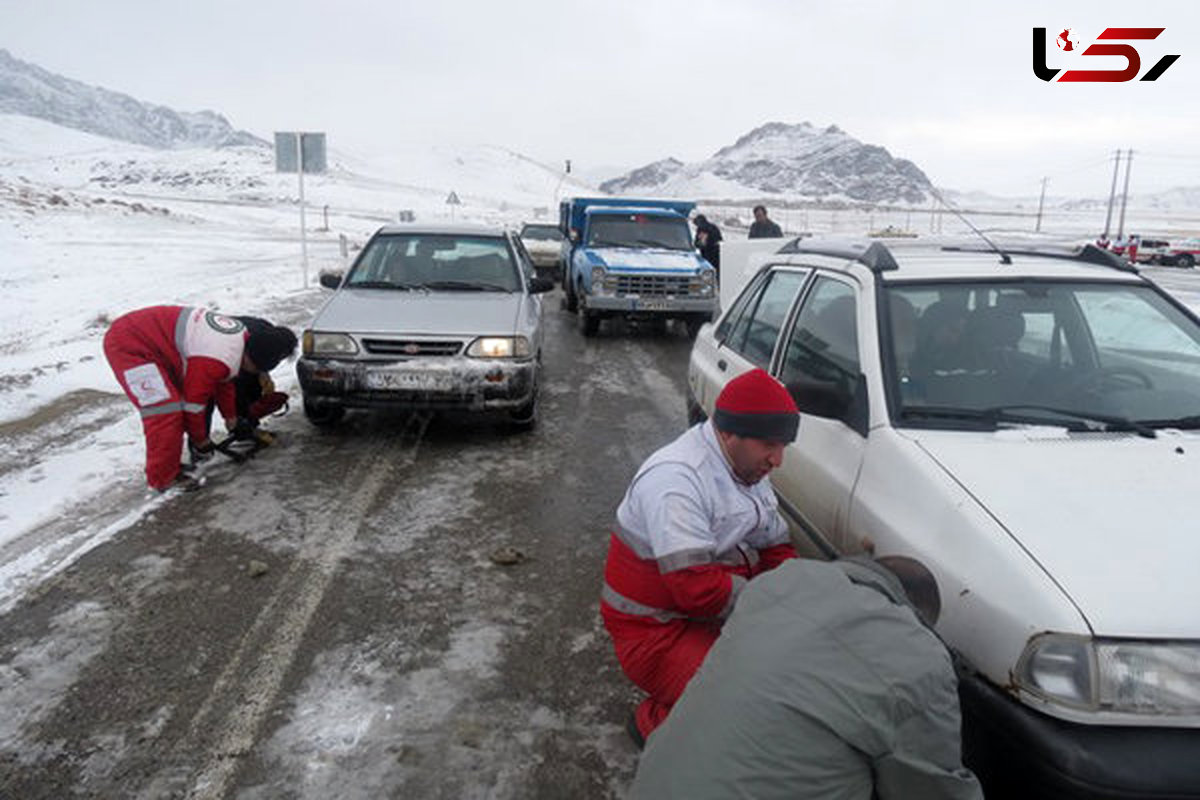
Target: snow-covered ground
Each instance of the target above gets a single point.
(91, 228)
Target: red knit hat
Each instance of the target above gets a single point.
(757, 406)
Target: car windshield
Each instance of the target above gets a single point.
(541, 233)
(639, 230)
(1082, 355)
(435, 262)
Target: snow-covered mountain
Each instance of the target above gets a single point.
(799, 161)
(34, 92)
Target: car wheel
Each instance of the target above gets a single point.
(695, 414)
(693, 326)
(1186, 260)
(525, 418)
(323, 415)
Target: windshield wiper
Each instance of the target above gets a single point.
(991, 417)
(607, 243)
(407, 287)
(1183, 423)
(465, 286)
(661, 245)
(1109, 422)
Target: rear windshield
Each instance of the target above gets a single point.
(545, 233)
(436, 262)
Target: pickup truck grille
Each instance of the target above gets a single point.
(655, 285)
(411, 347)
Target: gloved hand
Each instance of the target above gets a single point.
(202, 451)
(268, 404)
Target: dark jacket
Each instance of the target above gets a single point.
(765, 230)
(709, 243)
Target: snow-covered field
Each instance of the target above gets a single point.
(91, 228)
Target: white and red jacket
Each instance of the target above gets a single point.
(689, 535)
(172, 361)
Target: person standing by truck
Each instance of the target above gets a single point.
(762, 227)
(708, 241)
(698, 521)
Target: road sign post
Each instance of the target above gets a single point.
(300, 152)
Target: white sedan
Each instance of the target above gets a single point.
(1026, 427)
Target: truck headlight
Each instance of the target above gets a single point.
(499, 347)
(1124, 676)
(708, 276)
(597, 275)
(328, 344)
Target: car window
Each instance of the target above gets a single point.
(547, 233)
(437, 262)
(757, 332)
(745, 300)
(523, 259)
(823, 345)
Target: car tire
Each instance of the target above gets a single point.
(525, 418)
(323, 415)
(693, 326)
(695, 414)
(1185, 260)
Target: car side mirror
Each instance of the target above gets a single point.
(539, 285)
(330, 280)
(841, 400)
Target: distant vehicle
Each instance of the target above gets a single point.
(633, 258)
(892, 232)
(1029, 432)
(428, 317)
(1185, 252)
(544, 243)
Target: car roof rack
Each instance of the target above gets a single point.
(1087, 254)
(872, 255)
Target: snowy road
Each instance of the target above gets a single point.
(382, 653)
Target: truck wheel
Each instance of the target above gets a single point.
(572, 302)
(323, 415)
(589, 322)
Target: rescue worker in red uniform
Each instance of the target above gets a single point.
(698, 521)
(171, 361)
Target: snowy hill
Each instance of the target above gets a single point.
(787, 160)
(30, 90)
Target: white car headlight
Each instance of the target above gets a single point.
(328, 344)
(1160, 679)
(499, 347)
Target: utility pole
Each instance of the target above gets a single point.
(1125, 192)
(1041, 203)
(1112, 194)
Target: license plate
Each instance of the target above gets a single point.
(402, 381)
(653, 305)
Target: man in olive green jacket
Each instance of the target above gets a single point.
(823, 684)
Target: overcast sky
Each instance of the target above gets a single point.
(948, 85)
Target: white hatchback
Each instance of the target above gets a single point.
(1028, 428)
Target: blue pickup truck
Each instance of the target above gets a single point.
(634, 258)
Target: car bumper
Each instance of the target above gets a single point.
(652, 305)
(1019, 752)
(428, 383)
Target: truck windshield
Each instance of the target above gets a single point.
(639, 230)
(1079, 355)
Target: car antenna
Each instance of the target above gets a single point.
(1004, 259)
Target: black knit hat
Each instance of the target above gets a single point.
(268, 345)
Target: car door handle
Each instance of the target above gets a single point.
(721, 365)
